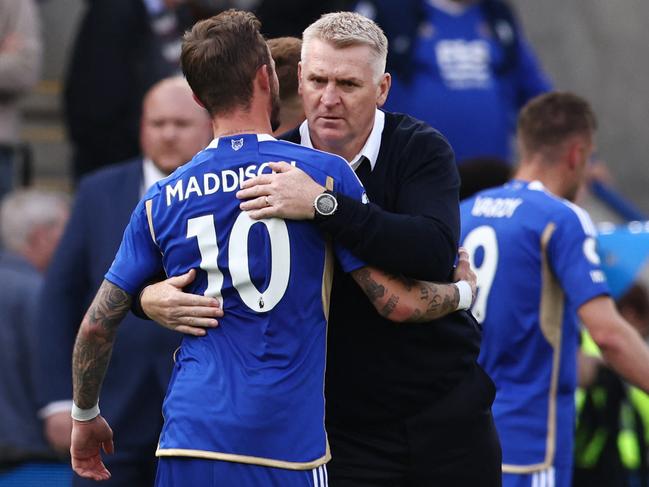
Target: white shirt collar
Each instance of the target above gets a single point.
(369, 150)
(260, 138)
(150, 174)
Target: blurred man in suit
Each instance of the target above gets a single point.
(31, 224)
(173, 128)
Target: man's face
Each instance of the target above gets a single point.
(174, 127)
(45, 238)
(340, 94)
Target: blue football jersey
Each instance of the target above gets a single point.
(536, 263)
(457, 78)
(252, 389)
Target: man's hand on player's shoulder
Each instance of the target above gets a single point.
(287, 193)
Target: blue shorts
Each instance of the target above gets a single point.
(192, 472)
(550, 477)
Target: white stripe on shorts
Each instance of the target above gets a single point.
(320, 477)
(544, 478)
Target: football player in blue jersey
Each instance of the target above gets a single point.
(245, 405)
(538, 274)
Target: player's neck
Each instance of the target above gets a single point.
(543, 173)
(241, 121)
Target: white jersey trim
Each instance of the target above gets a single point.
(250, 460)
(583, 216)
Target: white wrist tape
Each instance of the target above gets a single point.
(84, 414)
(466, 296)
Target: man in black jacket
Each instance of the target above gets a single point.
(406, 405)
(121, 49)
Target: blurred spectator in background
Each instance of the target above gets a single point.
(122, 48)
(31, 223)
(481, 173)
(463, 66)
(173, 129)
(286, 52)
(20, 62)
(281, 18)
(613, 417)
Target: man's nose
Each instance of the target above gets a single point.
(169, 131)
(330, 95)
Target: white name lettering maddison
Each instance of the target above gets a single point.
(495, 207)
(226, 181)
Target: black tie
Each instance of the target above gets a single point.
(364, 169)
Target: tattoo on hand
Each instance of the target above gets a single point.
(94, 342)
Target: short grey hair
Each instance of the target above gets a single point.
(22, 210)
(345, 29)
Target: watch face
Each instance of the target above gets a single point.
(326, 204)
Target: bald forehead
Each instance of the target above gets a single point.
(172, 94)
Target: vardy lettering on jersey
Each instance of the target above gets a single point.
(495, 207)
(208, 183)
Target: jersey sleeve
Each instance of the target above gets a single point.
(138, 258)
(349, 185)
(574, 259)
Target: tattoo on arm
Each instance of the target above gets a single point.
(438, 299)
(94, 344)
(372, 289)
(401, 299)
(388, 308)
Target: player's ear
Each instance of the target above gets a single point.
(262, 77)
(574, 154)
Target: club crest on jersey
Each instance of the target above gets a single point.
(237, 143)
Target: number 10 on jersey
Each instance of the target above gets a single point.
(203, 228)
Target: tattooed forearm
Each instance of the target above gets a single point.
(372, 289)
(388, 308)
(401, 299)
(94, 343)
(438, 299)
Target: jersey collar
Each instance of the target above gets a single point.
(260, 138)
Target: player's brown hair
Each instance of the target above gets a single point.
(220, 57)
(548, 120)
(286, 53)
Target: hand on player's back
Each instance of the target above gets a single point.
(167, 304)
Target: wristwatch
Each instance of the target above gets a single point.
(325, 205)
